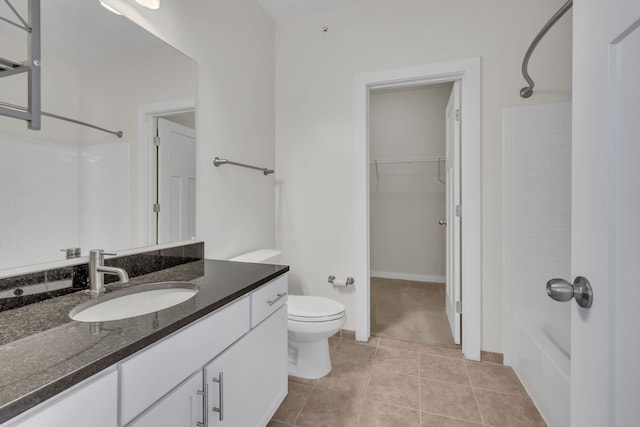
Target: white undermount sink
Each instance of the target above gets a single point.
(134, 301)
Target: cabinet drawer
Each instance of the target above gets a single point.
(155, 371)
(93, 402)
(268, 298)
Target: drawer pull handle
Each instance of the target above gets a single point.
(279, 297)
(205, 402)
(220, 381)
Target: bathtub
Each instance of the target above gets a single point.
(542, 361)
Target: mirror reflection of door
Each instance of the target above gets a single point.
(176, 178)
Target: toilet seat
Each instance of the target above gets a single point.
(304, 308)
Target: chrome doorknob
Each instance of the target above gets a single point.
(561, 290)
(442, 222)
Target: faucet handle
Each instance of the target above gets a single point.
(98, 252)
(71, 252)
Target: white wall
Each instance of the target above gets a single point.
(234, 47)
(314, 118)
(407, 201)
(537, 212)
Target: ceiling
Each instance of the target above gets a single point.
(288, 9)
(80, 31)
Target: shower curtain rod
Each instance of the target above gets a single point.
(117, 133)
(527, 91)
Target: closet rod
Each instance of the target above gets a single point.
(18, 108)
(408, 160)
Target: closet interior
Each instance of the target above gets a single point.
(407, 152)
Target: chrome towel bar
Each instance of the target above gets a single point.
(217, 161)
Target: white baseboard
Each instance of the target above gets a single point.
(408, 276)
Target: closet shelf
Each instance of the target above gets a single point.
(439, 160)
(9, 67)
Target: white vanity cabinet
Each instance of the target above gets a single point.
(240, 349)
(243, 346)
(94, 402)
(247, 382)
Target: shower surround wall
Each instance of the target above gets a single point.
(406, 199)
(32, 172)
(537, 247)
(92, 211)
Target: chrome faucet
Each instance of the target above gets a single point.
(97, 270)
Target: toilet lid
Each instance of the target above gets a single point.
(306, 308)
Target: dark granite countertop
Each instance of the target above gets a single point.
(43, 351)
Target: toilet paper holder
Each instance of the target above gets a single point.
(349, 282)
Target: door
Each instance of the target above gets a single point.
(605, 342)
(182, 407)
(248, 381)
(453, 293)
(176, 195)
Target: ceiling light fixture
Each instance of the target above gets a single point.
(150, 4)
(109, 8)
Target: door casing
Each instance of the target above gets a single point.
(468, 72)
(145, 164)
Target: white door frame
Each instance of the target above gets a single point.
(468, 72)
(145, 161)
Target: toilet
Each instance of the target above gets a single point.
(311, 321)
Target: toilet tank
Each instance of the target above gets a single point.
(261, 256)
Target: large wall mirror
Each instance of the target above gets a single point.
(70, 186)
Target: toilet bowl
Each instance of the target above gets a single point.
(311, 321)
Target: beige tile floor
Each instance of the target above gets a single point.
(408, 310)
(393, 383)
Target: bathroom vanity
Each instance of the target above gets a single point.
(217, 359)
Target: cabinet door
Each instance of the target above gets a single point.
(152, 373)
(93, 402)
(248, 381)
(182, 407)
